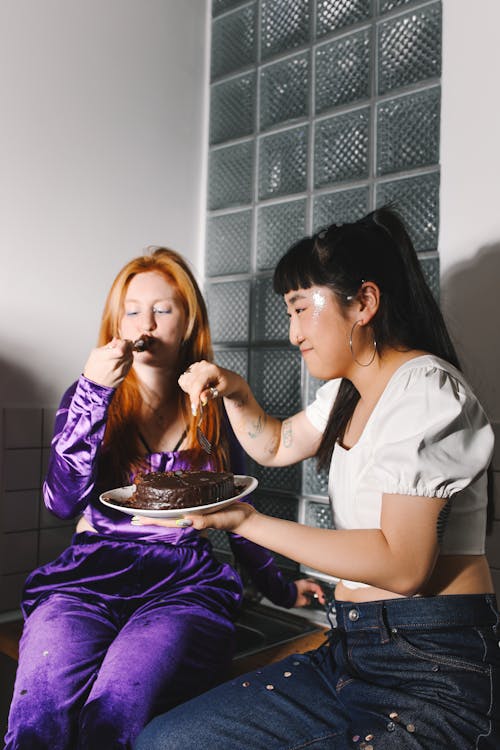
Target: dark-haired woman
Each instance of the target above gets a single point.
(130, 620)
(414, 658)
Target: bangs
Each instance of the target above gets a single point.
(339, 257)
(297, 269)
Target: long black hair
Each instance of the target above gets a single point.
(376, 248)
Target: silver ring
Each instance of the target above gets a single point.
(214, 393)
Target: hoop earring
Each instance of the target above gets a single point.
(361, 364)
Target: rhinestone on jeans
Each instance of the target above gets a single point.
(287, 674)
(410, 727)
(356, 738)
(245, 684)
(369, 737)
(390, 726)
(394, 716)
(271, 687)
(353, 615)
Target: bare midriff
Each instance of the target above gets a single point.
(452, 574)
(84, 525)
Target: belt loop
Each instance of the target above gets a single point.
(383, 627)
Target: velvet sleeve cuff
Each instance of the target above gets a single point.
(262, 569)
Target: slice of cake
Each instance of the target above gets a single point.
(175, 490)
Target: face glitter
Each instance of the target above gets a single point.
(319, 301)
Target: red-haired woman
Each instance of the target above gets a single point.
(131, 620)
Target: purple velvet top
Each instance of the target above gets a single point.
(78, 473)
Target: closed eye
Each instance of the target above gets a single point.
(297, 311)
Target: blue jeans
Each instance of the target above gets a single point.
(396, 674)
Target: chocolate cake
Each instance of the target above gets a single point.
(174, 490)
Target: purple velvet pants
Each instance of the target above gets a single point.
(117, 632)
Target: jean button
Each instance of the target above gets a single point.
(353, 615)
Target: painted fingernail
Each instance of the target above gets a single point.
(194, 410)
(183, 522)
(204, 400)
(136, 521)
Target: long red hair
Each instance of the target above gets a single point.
(121, 440)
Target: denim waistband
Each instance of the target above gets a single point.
(464, 610)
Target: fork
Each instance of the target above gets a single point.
(202, 438)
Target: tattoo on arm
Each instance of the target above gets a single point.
(274, 442)
(257, 427)
(287, 433)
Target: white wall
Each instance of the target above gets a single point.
(102, 150)
(469, 243)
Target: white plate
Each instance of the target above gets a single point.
(122, 493)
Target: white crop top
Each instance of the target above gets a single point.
(427, 436)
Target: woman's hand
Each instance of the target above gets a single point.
(267, 440)
(307, 590)
(109, 365)
(232, 518)
(205, 380)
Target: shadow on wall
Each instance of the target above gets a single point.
(18, 386)
(469, 300)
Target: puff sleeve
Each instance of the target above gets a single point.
(319, 410)
(433, 438)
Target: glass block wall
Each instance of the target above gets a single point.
(320, 110)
